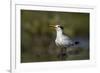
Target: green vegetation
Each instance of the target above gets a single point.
(37, 38)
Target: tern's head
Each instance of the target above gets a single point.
(57, 27)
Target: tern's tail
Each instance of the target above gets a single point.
(76, 42)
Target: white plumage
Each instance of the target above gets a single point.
(61, 39)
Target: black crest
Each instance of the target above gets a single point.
(61, 27)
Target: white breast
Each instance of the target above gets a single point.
(58, 41)
(63, 41)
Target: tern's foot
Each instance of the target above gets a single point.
(62, 55)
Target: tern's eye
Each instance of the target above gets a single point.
(58, 26)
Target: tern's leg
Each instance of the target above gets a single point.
(63, 54)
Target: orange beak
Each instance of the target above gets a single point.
(52, 26)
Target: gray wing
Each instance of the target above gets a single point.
(67, 41)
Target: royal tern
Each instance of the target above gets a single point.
(63, 41)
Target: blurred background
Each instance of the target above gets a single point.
(38, 39)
